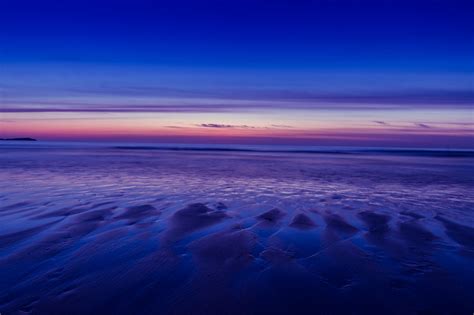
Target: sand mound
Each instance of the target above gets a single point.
(463, 235)
(338, 224)
(195, 216)
(271, 216)
(302, 221)
(376, 223)
(137, 213)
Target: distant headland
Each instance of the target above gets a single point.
(17, 139)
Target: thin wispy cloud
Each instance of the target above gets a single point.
(182, 101)
(225, 126)
(421, 125)
(282, 126)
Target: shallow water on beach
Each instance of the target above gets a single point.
(103, 230)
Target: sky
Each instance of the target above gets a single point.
(329, 72)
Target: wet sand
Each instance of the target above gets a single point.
(117, 232)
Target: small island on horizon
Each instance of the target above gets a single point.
(18, 139)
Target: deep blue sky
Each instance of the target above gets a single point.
(382, 35)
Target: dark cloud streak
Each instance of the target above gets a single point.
(225, 126)
(232, 101)
(421, 125)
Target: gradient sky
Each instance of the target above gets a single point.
(377, 73)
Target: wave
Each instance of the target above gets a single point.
(401, 152)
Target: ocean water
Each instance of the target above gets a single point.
(173, 229)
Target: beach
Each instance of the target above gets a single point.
(117, 229)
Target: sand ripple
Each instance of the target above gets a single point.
(114, 232)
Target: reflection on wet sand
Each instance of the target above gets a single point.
(234, 233)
